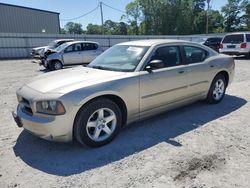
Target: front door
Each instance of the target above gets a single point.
(73, 54)
(162, 87)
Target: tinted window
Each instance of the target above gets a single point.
(194, 54)
(170, 55)
(248, 37)
(89, 46)
(78, 47)
(215, 40)
(235, 39)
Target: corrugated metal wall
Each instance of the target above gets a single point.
(16, 19)
(14, 45)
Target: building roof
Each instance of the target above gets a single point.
(29, 8)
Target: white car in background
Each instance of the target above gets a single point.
(71, 53)
(236, 44)
(39, 51)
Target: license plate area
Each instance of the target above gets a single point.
(231, 46)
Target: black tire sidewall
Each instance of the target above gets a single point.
(54, 65)
(210, 97)
(83, 115)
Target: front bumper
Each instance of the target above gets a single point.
(53, 128)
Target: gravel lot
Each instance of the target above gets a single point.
(199, 145)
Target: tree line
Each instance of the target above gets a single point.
(171, 17)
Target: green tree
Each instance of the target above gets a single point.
(133, 16)
(232, 12)
(94, 29)
(62, 31)
(216, 22)
(247, 17)
(73, 28)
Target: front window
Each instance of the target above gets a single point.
(120, 58)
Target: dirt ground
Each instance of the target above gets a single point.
(198, 146)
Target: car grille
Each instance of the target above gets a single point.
(25, 106)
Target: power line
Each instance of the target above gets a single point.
(114, 8)
(81, 15)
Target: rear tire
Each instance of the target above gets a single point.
(97, 123)
(217, 89)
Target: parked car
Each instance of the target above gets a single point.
(236, 44)
(71, 53)
(213, 42)
(39, 51)
(128, 82)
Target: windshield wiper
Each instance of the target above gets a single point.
(100, 67)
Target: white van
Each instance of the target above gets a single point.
(236, 44)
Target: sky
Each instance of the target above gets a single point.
(74, 8)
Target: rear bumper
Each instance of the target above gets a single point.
(234, 52)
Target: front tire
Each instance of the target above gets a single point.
(97, 123)
(217, 89)
(56, 65)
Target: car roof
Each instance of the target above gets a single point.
(79, 41)
(237, 33)
(59, 40)
(152, 42)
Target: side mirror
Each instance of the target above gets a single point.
(155, 64)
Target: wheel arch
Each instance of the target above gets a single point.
(225, 74)
(115, 98)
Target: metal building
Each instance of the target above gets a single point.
(18, 19)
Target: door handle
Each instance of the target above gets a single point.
(212, 66)
(181, 72)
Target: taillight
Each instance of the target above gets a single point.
(221, 45)
(243, 45)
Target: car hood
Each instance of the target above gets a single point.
(67, 80)
(39, 48)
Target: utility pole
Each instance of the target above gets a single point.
(101, 17)
(208, 7)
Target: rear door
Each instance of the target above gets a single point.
(198, 70)
(90, 52)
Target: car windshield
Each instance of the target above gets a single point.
(52, 45)
(120, 58)
(234, 39)
(199, 40)
(61, 47)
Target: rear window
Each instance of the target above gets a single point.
(248, 37)
(234, 39)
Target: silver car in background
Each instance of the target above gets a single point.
(71, 53)
(128, 82)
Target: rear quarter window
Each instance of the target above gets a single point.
(234, 39)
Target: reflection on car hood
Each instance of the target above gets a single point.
(39, 48)
(66, 80)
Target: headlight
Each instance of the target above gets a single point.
(19, 98)
(50, 107)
